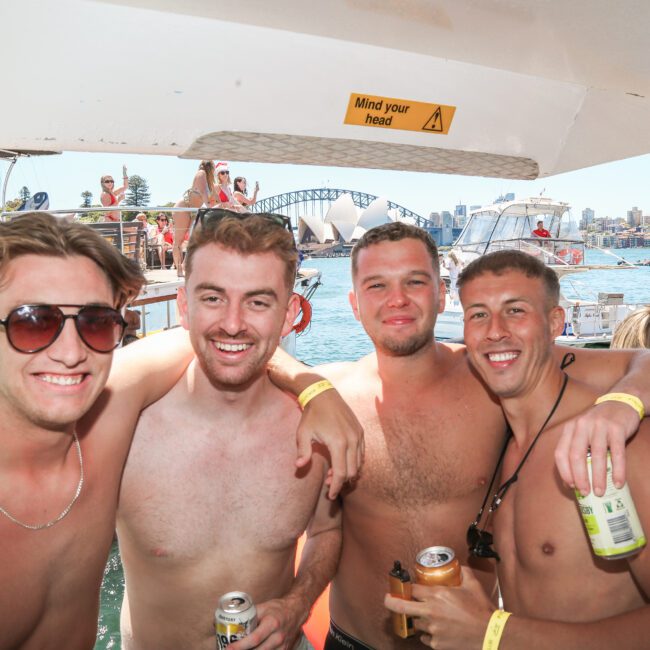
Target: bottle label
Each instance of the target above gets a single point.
(611, 521)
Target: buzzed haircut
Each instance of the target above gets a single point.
(394, 231)
(248, 236)
(40, 233)
(501, 262)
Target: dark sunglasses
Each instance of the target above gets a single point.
(225, 173)
(109, 181)
(161, 219)
(212, 216)
(32, 328)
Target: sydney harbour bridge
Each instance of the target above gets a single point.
(317, 202)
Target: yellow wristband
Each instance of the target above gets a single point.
(626, 398)
(495, 629)
(312, 390)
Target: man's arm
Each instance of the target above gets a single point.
(145, 370)
(607, 425)
(326, 419)
(281, 619)
(457, 618)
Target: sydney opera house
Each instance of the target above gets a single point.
(343, 224)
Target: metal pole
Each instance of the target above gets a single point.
(6, 181)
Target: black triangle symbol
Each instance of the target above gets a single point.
(434, 123)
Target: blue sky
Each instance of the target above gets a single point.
(609, 189)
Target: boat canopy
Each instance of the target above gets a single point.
(503, 88)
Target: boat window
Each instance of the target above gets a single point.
(478, 229)
(569, 227)
(508, 227)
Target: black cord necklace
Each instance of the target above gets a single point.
(480, 541)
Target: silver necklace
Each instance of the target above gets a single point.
(67, 509)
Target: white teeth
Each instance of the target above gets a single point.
(62, 380)
(503, 356)
(232, 347)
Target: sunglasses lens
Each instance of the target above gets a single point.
(33, 328)
(100, 328)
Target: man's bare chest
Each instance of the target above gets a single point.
(210, 493)
(422, 456)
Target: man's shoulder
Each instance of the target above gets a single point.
(341, 370)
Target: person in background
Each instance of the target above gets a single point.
(164, 238)
(111, 196)
(223, 194)
(241, 194)
(541, 231)
(199, 194)
(634, 331)
(150, 232)
(454, 266)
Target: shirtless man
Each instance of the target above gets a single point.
(62, 287)
(433, 433)
(211, 500)
(58, 497)
(562, 595)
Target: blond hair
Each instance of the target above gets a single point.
(40, 233)
(634, 330)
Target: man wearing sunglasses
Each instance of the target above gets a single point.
(560, 594)
(64, 431)
(211, 500)
(63, 287)
(433, 432)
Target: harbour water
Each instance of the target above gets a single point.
(335, 335)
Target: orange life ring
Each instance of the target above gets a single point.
(570, 255)
(305, 319)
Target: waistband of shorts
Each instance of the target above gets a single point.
(345, 640)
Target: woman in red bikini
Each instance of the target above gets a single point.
(110, 196)
(223, 194)
(199, 194)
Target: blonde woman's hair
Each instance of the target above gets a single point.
(634, 331)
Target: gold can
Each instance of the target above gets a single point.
(437, 566)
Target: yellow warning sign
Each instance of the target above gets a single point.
(403, 114)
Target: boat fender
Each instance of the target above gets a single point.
(305, 318)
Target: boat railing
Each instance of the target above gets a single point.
(563, 252)
(115, 231)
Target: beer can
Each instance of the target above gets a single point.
(235, 618)
(399, 585)
(437, 565)
(611, 521)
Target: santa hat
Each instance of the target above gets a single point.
(221, 167)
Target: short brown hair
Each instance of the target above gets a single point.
(394, 231)
(501, 262)
(249, 235)
(40, 233)
(633, 331)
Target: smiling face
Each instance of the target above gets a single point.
(510, 326)
(56, 386)
(236, 307)
(397, 295)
